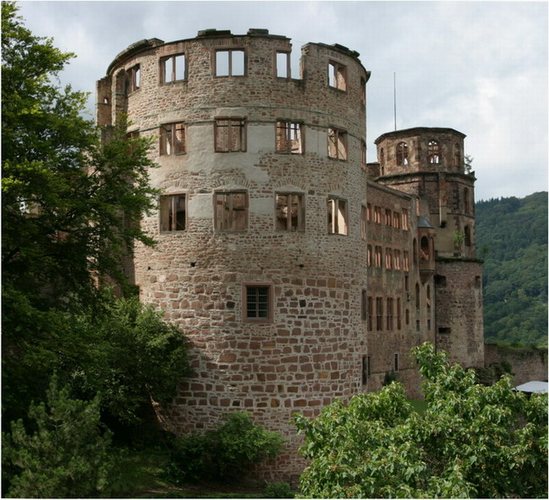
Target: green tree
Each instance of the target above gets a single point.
(471, 441)
(67, 454)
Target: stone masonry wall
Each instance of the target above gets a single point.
(526, 363)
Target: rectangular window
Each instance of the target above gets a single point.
(337, 144)
(379, 314)
(377, 215)
(399, 314)
(396, 260)
(388, 218)
(369, 256)
(283, 65)
(405, 221)
(134, 78)
(390, 304)
(368, 212)
(230, 62)
(405, 261)
(407, 316)
(230, 135)
(173, 213)
(172, 139)
(231, 211)
(337, 76)
(289, 138)
(364, 306)
(378, 256)
(257, 303)
(396, 220)
(365, 369)
(290, 212)
(337, 216)
(388, 258)
(370, 313)
(363, 218)
(396, 362)
(172, 68)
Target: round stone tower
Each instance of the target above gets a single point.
(430, 164)
(259, 256)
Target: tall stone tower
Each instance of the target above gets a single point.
(429, 164)
(259, 257)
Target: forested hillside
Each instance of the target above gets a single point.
(512, 239)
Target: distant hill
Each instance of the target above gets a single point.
(511, 236)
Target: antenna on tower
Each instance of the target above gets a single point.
(395, 99)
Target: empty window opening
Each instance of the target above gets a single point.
(405, 219)
(370, 313)
(337, 216)
(337, 76)
(230, 62)
(396, 362)
(379, 313)
(134, 78)
(398, 314)
(368, 212)
(230, 135)
(231, 211)
(417, 297)
(457, 156)
(388, 218)
(406, 283)
(396, 220)
(417, 325)
(440, 280)
(258, 303)
(444, 329)
(405, 261)
(290, 212)
(396, 260)
(414, 245)
(378, 257)
(365, 369)
(172, 139)
(283, 65)
(478, 282)
(337, 144)
(377, 215)
(407, 315)
(388, 258)
(402, 154)
(172, 68)
(390, 306)
(289, 137)
(424, 251)
(467, 235)
(369, 256)
(433, 152)
(173, 213)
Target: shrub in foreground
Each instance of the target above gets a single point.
(227, 452)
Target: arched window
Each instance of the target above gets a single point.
(467, 236)
(433, 151)
(402, 154)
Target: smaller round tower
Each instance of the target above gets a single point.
(430, 163)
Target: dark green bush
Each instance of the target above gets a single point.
(278, 490)
(67, 455)
(226, 452)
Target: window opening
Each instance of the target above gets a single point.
(368, 212)
(377, 215)
(396, 362)
(378, 257)
(390, 305)
(388, 258)
(417, 297)
(405, 260)
(369, 256)
(402, 154)
(379, 313)
(257, 302)
(396, 220)
(363, 91)
(407, 315)
(396, 260)
(172, 139)
(457, 155)
(283, 65)
(337, 76)
(440, 280)
(388, 218)
(288, 137)
(337, 216)
(230, 135)
(365, 369)
(433, 151)
(405, 221)
(398, 314)
(467, 235)
(337, 144)
(290, 212)
(364, 305)
(424, 253)
(231, 211)
(172, 68)
(134, 78)
(466, 200)
(229, 62)
(363, 219)
(172, 213)
(370, 313)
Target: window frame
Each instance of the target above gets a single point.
(300, 214)
(219, 225)
(379, 314)
(233, 123)
(289, 128)
(335, 137)
(337, 73)
(163, 134)
(163, 67)
(402, 154)
(173, 197)
(287, 53)
(134, 78)
(230, 62)
(269, 303)
(333, 210)
(433, 152)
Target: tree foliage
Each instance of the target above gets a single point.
(471, 441)
(512, 240)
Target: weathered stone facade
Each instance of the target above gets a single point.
(265, 223)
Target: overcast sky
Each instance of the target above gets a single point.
(477, 67)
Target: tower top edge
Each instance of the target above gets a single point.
(418, 131)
